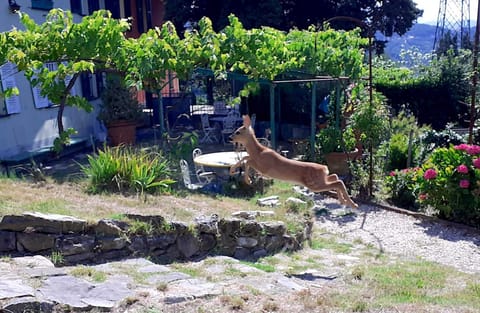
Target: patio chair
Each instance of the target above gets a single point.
(253, 118)
(265, 140)
(229, 125)
(209, 132)
(202, 175)
(187, 177)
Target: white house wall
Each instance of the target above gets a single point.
(36, 128)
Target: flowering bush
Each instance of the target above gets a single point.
(402, 188)
(449, 181)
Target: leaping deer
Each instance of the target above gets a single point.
(269, 163)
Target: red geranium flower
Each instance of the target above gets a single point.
(430, 174)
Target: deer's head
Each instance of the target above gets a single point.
(244, 133)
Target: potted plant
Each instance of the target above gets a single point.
(120, 112)
(337, 146)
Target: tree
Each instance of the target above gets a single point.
(252, 13)
(386, 16)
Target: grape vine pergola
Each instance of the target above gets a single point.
(98, 43)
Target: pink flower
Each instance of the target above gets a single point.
(473, 150)
(476, 163)
(462, 169)
(422, 197)
(462, 146)
(392, 173)
(464, 183)
(430, 174)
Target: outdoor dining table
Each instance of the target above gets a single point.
(220, 160)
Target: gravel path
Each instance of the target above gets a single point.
(397, 233)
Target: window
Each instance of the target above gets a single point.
(40, 101)
(42, 4)
(11, 104)
(92, 85)
(87, 7)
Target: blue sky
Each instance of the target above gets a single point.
(430, 10)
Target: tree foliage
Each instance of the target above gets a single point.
(435, 88)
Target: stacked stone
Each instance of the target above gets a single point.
(77, 241)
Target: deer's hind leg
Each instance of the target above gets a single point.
(339, 189)
(332, 182)
(342, 193)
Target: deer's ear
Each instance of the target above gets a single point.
(246, 121)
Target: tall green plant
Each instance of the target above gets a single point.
(370, 118)
(125, 169)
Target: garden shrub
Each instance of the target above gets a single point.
(448, 182)
(432, 139)
(129, 170)
(397, 152)
(435, 91)
(402, 189)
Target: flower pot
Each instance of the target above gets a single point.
(337, 162)
(122, 132)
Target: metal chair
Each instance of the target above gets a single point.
(209, 135)
(187, 181)
(202, 175)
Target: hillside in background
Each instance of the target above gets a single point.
(421, 36)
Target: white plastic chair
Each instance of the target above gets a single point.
(253, 118)
(202, 176)
(265, 140)
(209, 135)
(187, 181)
(229, 125)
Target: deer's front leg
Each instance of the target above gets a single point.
(246, 176)
(238, 164)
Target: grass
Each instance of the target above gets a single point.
(187, 269)
(18, 196)
(414, 283)
(89, 273)
(261, 266)
(332, 243)
(57, 258)
(57, 206)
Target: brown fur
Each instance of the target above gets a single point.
(269, 163)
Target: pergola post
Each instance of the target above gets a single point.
(313, 120)
(272, 117)
(160, 112)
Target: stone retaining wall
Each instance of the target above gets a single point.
(75, 241)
